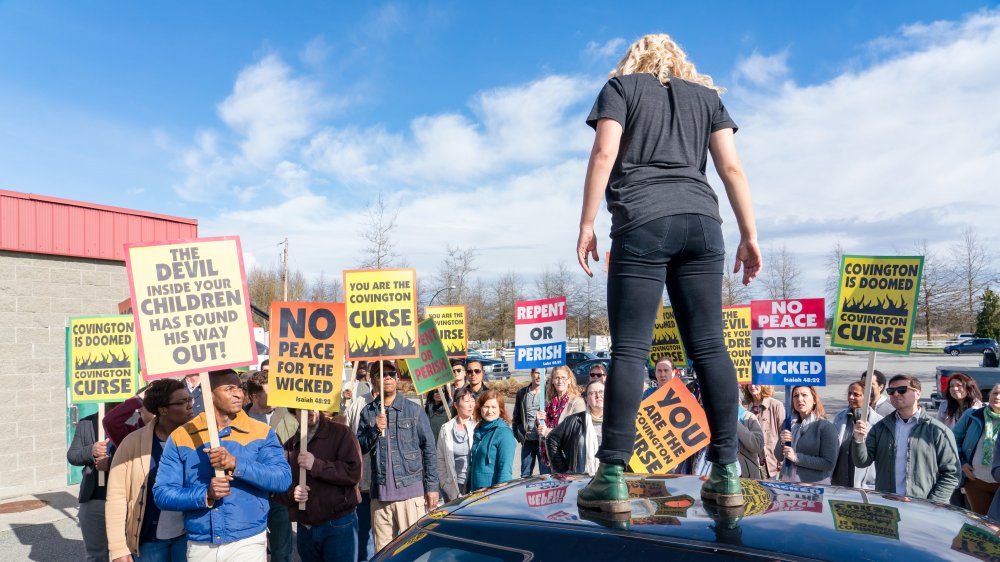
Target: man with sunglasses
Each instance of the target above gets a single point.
(474, 378)
(598, 372)
(914, 454)
(403, 454)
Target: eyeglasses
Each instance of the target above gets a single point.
(476, 371)
(596, 393)
(897, 390)
(181, 402)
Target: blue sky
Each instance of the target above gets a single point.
(865, 123)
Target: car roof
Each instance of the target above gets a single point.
(791, 520)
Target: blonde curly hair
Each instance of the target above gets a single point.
(659, 55)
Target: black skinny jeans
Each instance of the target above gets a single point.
(687, 253)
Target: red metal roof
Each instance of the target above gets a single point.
(48, 225)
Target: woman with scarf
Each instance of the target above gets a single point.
(454, 445)
(493, 443)
(564, 401)
(963, 394)
(811, 445)
(572, 445)
(976, 435)
(845, 473)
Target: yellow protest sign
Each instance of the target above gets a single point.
(450, 322)
(865, 518)
(977, 542)
(307, 355)
(667, 339)
(381, 310)
(736, 332)
(101, 359)
(877, 302)
(191, 308)
(670, 427)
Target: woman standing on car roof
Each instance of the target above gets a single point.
(656, 121)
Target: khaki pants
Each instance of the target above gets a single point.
(250, 549)
(389, 519)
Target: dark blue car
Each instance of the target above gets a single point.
(537, 519)
(975, 345)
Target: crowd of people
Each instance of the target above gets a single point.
(384, 461)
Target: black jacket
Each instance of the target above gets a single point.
(517, 422)
(566, 442)
(81, 453)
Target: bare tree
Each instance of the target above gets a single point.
(455, 271)
(591, 308)
(937, 289)
(972, 273)
(734, 292)
(327, 289)
(832, 263)
(503, 292)
(781, 276)
(477, 310)
(265, 285)
(381, 222)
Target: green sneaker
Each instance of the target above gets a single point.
(606, 491)
(723, 486)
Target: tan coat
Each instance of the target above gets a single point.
(125, 506)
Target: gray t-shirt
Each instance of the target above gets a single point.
(660, 170)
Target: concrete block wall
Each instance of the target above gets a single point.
(38, 294)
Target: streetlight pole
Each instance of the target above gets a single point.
(431, 303)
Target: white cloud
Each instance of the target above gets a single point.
(271, 109)
(608, 49)
(881, 156)
(885, 154)
(763, 70)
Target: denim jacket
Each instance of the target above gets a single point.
(414, 454)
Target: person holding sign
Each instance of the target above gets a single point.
(844, 473)
(328, 527)
(94, 456)
(136, 527)
(403, 459)
(915, 455)
(225, 516)
(656, 120)
(811, 445)
(284, 424)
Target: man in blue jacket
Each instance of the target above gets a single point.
(403, 460)
(225, 517)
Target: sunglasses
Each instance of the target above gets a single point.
(390, 375)
(897, 390)
(458, 370)
(595, 375)
(476, 371)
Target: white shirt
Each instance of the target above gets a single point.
(903, 430)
